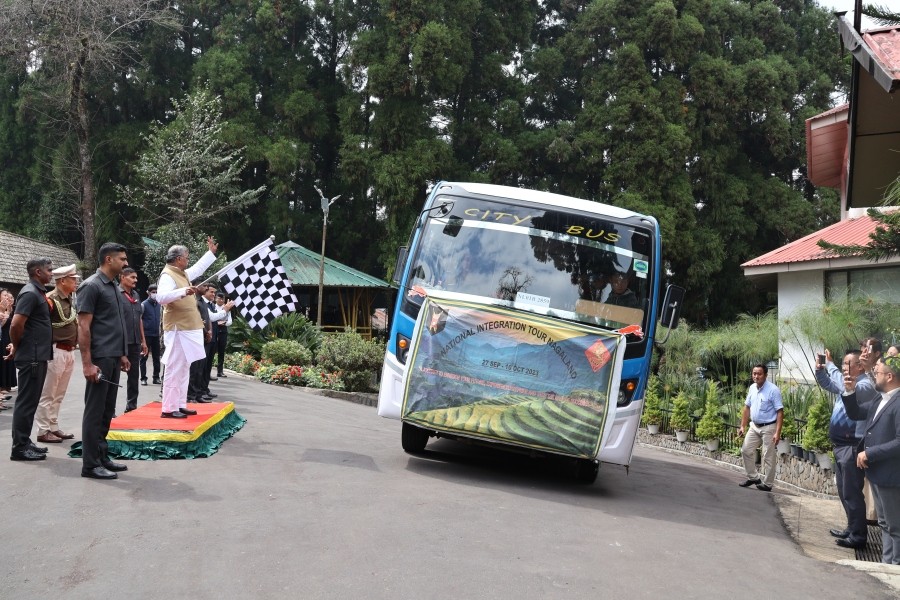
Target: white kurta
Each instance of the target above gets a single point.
(183, 346)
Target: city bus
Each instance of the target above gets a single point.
(525, 319)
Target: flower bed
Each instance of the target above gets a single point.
(306, 376)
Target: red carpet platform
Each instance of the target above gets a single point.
(142, 434)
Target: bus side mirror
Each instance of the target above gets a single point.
(453, 226)
(402, 255)
(670, 311)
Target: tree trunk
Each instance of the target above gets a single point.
(78, 105)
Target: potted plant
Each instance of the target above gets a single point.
(788, 431)
(711, 428)
(681, 416)
(816, 439)
(652, 416)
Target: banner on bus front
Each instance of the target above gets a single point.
(512, 377)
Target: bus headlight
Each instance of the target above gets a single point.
(402, 348)
(626, 391)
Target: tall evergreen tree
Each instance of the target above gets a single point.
(70, 45)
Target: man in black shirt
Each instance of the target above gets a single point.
(101, 335)
(31, 338)
(134, 334)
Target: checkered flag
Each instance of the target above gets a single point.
(257, 283)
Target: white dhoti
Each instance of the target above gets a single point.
(182, 348)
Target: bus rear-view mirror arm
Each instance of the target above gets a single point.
(671, 310)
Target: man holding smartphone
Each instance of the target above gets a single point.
(845, 433)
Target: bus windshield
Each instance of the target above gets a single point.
(578, 266)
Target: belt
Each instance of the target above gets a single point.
(64, 346)
(764, 424)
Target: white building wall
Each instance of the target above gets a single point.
(796, 289)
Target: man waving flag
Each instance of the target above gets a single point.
(257, 283)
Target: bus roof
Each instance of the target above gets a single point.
(556, 200)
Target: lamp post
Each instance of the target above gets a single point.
(326, 203)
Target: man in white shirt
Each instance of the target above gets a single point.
(221, 333)
(183, 331)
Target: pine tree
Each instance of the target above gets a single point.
(187, 176)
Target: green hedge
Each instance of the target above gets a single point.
(356, 359)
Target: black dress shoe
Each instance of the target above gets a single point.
(750, 482)
(98, 473)
(174, 415)
(27, 454)
(114, 466)
(187, 411)
(845, 543)
(202, 400)
(209, 395)
(36, 448)
(839, 533)
(763, 487)
(156, 381)
(221, 375)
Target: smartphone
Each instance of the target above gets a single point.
(820, 358)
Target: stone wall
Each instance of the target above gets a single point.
(790, 471)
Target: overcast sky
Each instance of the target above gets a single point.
(839, 5)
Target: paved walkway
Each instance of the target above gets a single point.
(808, 520)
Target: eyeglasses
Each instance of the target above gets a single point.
(880, 372)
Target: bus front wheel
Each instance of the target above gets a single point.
(413, 438)
(586, 471)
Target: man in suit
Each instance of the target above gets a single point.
(218, 316)
(845, 434)
(221, 338)
(198, 384)
(879, 450)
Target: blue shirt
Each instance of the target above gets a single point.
(842, 430)
(764, 402)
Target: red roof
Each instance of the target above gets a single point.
(885, 45)
(850, 231)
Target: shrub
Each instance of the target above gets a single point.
(286, 352)
(356, 360)
(307, 376)
(293, 326)
(242, 363)
(265, 372)
(652, 404)
(711, 426)
(815, 438)
(788, 425)
(681, 417)
(316, 377)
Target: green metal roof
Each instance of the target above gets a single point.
(302, 268)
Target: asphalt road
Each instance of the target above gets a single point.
(314, 498)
